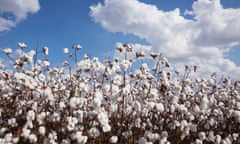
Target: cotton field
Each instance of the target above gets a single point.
(89, 101)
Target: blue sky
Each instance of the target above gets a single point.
(99, 25)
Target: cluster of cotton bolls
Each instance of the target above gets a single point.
(110, 102)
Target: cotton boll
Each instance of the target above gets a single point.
(32, 138)
(55, 117)
(103, 119)
(113, 139)
(236, 115)
(206, 126)
(211, 122)
(126, 90)
(142, 140)
(174, 99)
(52, 136)
(72, 121)
(198, 141)
(186, 130)
(137, 106)
(204, 103)
(235, 136)
(227, 140)
(116, 67)
(65, 51)
(12, 122)
(117, 80)
(97, 101)
(154, 93)
(211, 136)
(106, 88)
(42, 130)
(62, 105)
(137, 123)
(150, 105)
(46, 63)
(181, 108)
(211, 82)
(80, 138)
(51, 141)
(159, 107)
(106, 128)
(8, 137)
(83, 87)
(25, 133)
(41, 117)
(74, 101)
(30, 115)
(47, 93)
(96, 64)
(164, 78)
(94, 132)
(218, 139)
(151, 136)
(184, 123)
(79, 115)
(144, 68)
(3, 130)
(66, 141)
(7, 51)
(125, 65)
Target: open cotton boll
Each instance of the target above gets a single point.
(125, 65)
(202, 135)
(113, 139)
(164, 78)
(12, 122)
(117, 80)
(47, 93)
(211, 136)
(103, 119)
(72, 121)
(74, 102)
(126, 90)
(80, 138)
(106, 128)
(94, 132)
(30, 115)
(181, 108)
(198, 141)
(159, 107)
(218, 139)
(97, 101)
(42, 130)
(142, 140)
(25, 133)
(83, 87)
(144, 68)
(7, 51)
(96, 64)
(32, 138)
(151, 136)
(236, 115)
(137, 123)
(204, 103)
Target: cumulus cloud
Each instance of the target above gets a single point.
(14, 11)
(203, 40)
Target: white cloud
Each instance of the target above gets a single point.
(16, 11)
(203, 40)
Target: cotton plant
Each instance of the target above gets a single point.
(114, 101)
